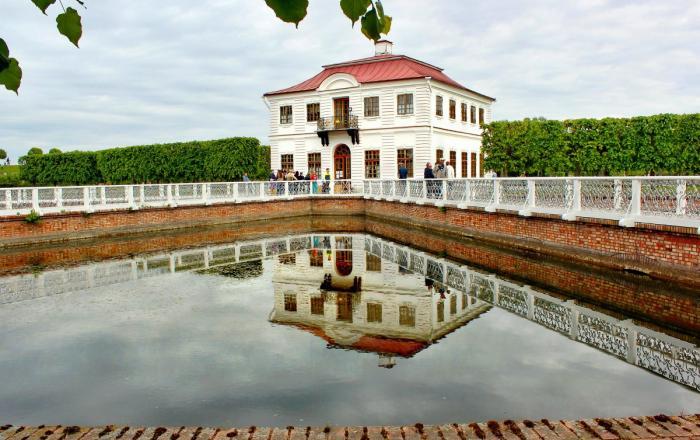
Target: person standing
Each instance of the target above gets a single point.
(449, 170)
(403, 172)
(245, 177)
(428, 171)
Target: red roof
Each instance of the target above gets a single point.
(378, 69)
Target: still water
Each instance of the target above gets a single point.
(320, 329)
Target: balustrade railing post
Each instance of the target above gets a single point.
(58, 194)
(130, 196)
(103, 197)
(286, 188)
(444, 189)
(169, 195)
(617, 199)
(142, 196)
(176, 195)
(530, 201)
(496, 198)
(424, 190)
(681, 198)
(86, 199)
(35, 200)
(573, 188)
(236, 194)
(206, 193)
(635, 208)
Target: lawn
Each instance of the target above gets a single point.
(9, 175)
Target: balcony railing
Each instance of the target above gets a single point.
(337, 123)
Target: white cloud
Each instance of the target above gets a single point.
(147, 73)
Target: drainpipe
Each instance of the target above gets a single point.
(430, 115)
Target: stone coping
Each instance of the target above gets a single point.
(686, 426)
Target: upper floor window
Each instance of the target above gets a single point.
(453, 109)
(371, 164)
(438, 105)
(371, 106)
(472, 114)
(285, 114)
(464, 112)
(313, 112)
(481, 116)
(404, 104)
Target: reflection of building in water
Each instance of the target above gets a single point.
(355, 300)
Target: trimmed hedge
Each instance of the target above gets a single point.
(662, 145)
(197, 161)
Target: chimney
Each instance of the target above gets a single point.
(383, 47)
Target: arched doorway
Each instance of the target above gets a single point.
(341, 159)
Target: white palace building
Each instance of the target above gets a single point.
(364, 118)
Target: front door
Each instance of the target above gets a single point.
(342, 162)
(341, 111)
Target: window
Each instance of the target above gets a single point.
(314, 162)
(404, 104)
(371, 106)
(453, 304)
(290, 302)
(465, 165)
(287, 161)
(481, 117)
(438, 155)
(313, 112)
(453, 159)
(472, 114)
(371, 164)
(374, 312)
(374, 263)
(438, 105)
(473, 164)
(464, 112)
(481, 164)
(404, 157)
(441, 311)
(453, 109)
(286, 114)
(317, 305)
(465, 301)
(289, 259)
(407, 316)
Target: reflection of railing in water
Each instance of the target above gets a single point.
(667, 356)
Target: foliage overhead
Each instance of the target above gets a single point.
(35, 151)
(3, 154)
(54, 151)
(374, 23)
(663, 144)
(197, 161)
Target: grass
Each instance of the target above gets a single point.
(9, 175)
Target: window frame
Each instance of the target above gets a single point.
(372, 100)
(313, 110)
(482, 116)
(439, 106)
(310, 165)
(286, 118)
(402, 158)
(453, 159)
(465, 109)
(284, 158)
(465, 165)
(408, 108)
(472, 114)
(374, 312)
(372, 161)
(452, 105)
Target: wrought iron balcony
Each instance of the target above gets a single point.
(337, 123)
(349, 123)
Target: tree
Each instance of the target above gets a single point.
(55, 151)
(3, 154)
(35, 151)
(370, 13)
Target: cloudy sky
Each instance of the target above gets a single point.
(149, 73)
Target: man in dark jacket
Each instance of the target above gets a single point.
(428, 171)
(403, 172)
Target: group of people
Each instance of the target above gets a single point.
(443, 170)
(290, 175)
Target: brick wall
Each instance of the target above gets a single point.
(662, 254)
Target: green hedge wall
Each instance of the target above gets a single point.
(662, 144)
(197, 161)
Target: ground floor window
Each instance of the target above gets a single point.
(481, 164)
(371, 164)
(404, 157)
(317, 305)
(438, 155)
(374, 312)
(473, 164)
(465, 164)
(314, 163)
(453, 159)
(453, 304)
(316, 258)
(287, 161)
(441, 311)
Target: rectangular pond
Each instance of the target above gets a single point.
(324, 329)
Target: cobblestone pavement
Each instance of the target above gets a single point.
(649, 427)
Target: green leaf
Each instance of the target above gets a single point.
(11, 77)
(69, 25)
(289, 11)
(384, 20)
(4, 55)
(43, 4)
(371, 27)
(354, 9)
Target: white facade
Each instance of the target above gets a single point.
(422, 132)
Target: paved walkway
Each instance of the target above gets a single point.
(651, 427)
